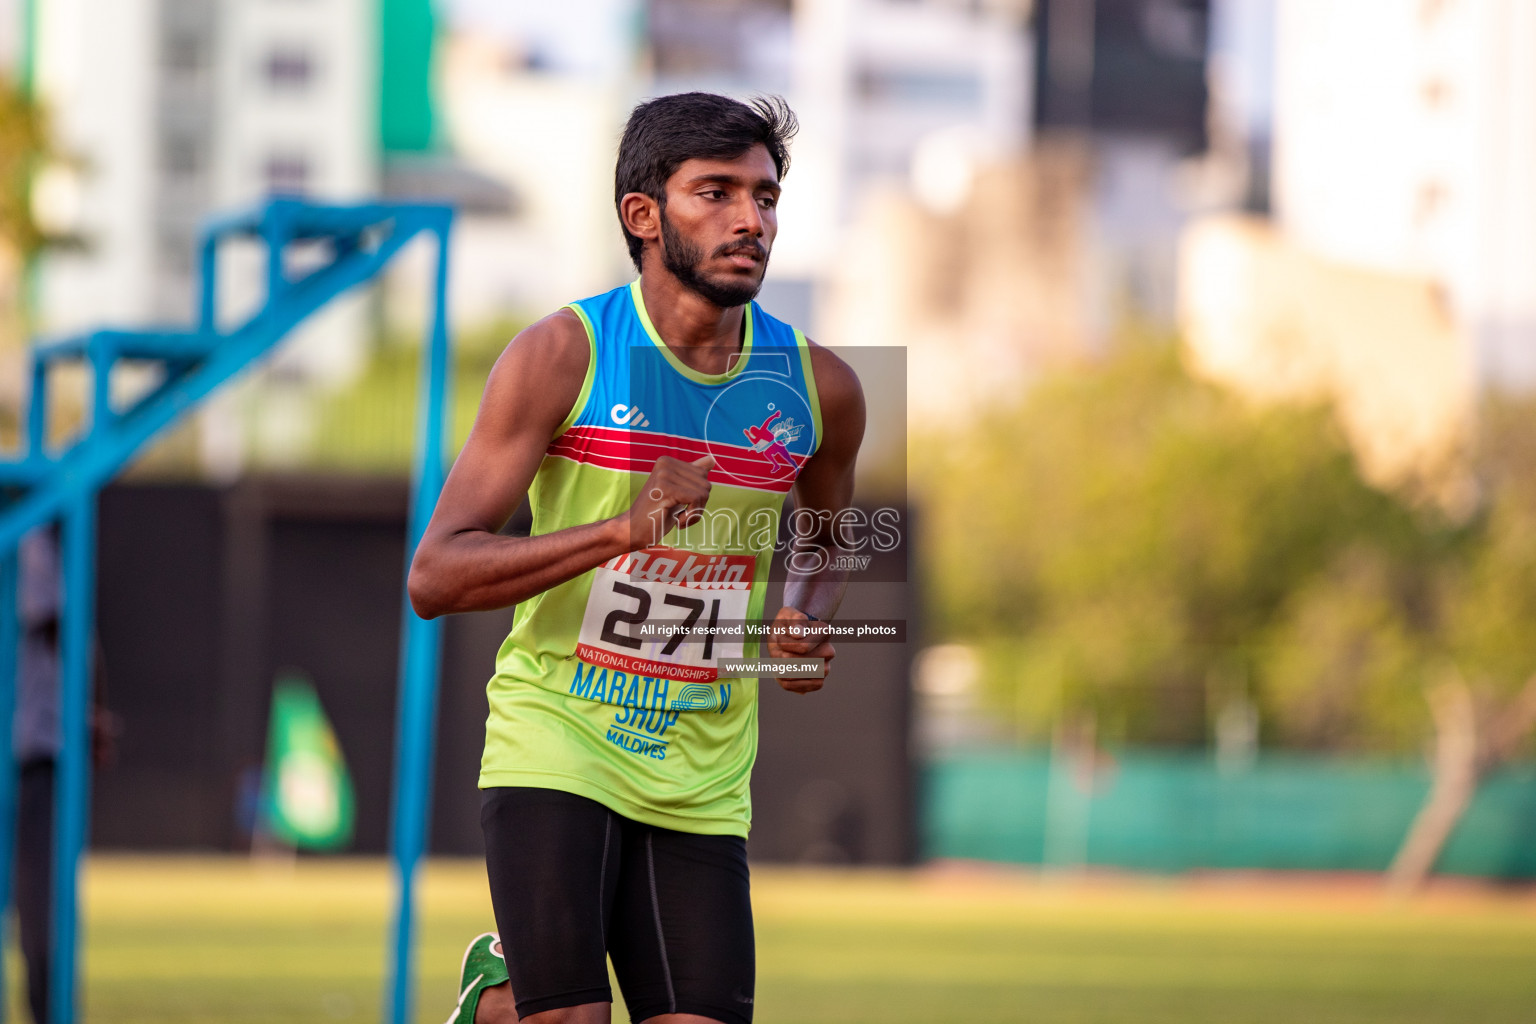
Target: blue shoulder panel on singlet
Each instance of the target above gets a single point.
(759, 419)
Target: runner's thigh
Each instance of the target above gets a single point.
(552, 861)
(681, 933)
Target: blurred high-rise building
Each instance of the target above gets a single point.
(895, 96)
(534, 98)
(167, 111)
(12, 29)
(1025, 232)
(888, 92)
(171, 109)
(1397, 276)
(1406, 143)
(1127, 80)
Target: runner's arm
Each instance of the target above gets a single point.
(824, 488)
(463, 563)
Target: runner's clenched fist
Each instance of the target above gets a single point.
(796, 635)
(673, 495)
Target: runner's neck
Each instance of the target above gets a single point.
(704, 336)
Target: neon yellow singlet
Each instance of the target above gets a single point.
(584, 699)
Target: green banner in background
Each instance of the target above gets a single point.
(407, 43)
(307, 797)
(1170, 811)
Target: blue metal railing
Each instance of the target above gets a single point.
(42, 486)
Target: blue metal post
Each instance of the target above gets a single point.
(208, 275)
(72, 796)
(37, 411)
(420, 643)
(50, 486)
(93, 464)
(9, 637)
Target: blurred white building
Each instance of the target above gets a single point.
(548, 132)
(1398, 275)
(1406, 142)
(172, 109)
(907, 96)
(912, 95)
(890, 93)
(11, 30)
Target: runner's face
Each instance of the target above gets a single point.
(718, 225)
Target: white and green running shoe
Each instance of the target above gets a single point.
(484, 966)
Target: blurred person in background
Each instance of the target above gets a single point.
(616, 769)
(40, 597)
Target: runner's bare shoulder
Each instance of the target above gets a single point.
(841, 396)
(537, 378)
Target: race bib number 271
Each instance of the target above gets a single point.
(655, 612)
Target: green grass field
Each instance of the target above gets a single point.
(178, 940)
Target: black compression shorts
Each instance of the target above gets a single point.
(573, 883)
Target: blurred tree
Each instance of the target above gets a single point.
(1132, 545)
(1484, 702)
(23, 143)
(1344, 660)
(22, 146)
(1125, 541)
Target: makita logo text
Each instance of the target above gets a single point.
(667, 565)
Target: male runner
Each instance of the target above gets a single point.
(616, 764)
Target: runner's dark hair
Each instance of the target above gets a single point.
(664, 132)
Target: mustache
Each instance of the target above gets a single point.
(746, 247)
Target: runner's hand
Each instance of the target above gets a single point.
(809, 643)
(673, 495)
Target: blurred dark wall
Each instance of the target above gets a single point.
(1132, 67)
(205, 594)
(834, 781)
